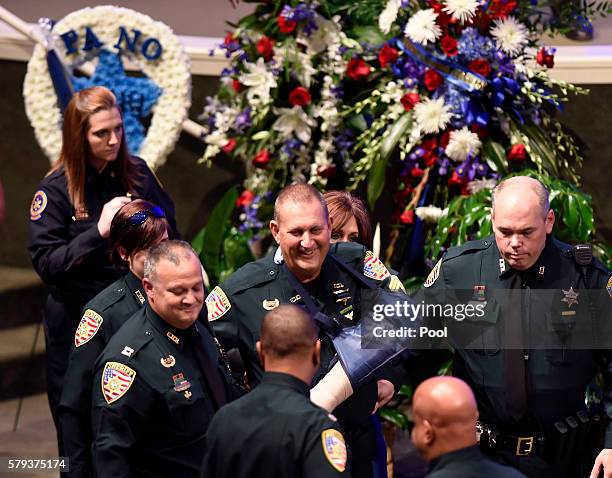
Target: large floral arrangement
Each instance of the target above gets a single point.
(435, 100)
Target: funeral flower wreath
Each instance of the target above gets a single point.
(114, 32)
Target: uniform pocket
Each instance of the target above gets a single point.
(188, 408)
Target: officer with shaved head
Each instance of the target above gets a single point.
(528, 378)
(445, 413)
(276, 431)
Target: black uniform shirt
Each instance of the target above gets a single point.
(469, 463)
(151, 400)
(556, 378)
(275, 431)
(66, 248)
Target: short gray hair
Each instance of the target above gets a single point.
(300, 193)
(534, 184)
(173, 251)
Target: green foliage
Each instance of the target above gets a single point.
(222, 249)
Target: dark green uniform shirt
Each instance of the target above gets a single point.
(469, 463)
(152, 401)
(102, 317)
(275, 431)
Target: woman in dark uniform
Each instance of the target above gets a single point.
(136, 227)
(70, 220)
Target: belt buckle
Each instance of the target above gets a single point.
(524, 445)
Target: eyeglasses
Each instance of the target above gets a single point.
(139, 218)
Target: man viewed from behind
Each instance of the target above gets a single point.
(276, 431)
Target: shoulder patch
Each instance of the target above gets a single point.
(88, 327)
(395, 284)
(609, 287)
(39, 203)
(217, 304)
(116, 381)
(433, 275)
(334, 448)
(373, 267)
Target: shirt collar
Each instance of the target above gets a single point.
(135, 286)
(463, 454)
(538, 270)
(172, 334)
(286, 380)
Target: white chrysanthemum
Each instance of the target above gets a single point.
(461, 144)
(432, 115)
(422, 27)
(388, 15)
(293, 121)
(431, 214)
(259, 80)
(510, 35)
(461, 10)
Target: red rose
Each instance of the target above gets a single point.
(245, 198)
(387, 55)
(299, 96)
(409, 100)
(261, 159)
(284, 25)
(326, 171)
(444, 139)
(544, 58)
(265, 47)
(517, 153)
(480, 66)
(432, 80)
(229, 147)
(481, 131)
(416, 172)
(449, 45)
(407, 217)
(229, 39)
(455, 179)
(236, 85)
(357, 69)
(501, 8)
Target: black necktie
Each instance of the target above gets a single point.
(210, 371)
(514, 362)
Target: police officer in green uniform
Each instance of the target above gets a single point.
(531, 400)
(236, 308)
(137, 226)
(161, 378)
(276, 431)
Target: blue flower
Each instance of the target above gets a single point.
(473, 45)
(243, 120)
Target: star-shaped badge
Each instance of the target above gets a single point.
(136, 96)
(570, 296)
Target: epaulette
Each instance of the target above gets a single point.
(470, 246)
(129, 348)
(348, 251)
(254, 273)
(109, 296)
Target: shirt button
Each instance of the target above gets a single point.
(271, 273)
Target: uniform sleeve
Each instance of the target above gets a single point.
(155, 193)
(325, 452)
(114, 425)
(51, 249)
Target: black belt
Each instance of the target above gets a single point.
(490, 440)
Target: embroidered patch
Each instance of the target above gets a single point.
(270, 304)
(433, 275)
(334, 448)
(116, 381)
(609, 287)
(217, 304)
(39, 203)
(396, 284)
(88, 327)
(374, 268)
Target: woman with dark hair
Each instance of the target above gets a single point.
(136, 227)
(349, 217)
(70, 219)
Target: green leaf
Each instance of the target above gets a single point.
(358, 122)
(216, 227)
(367, 33)
(260, 135)
(395, 133)
(376, 181)
(495, 156)
(395, 417)
(198, 241)
(236, 251)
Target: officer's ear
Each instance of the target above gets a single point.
(122, 253)
(148, 287)
(316, 354)
(274, 229)
(261, 354)
(550, 221)
(429, 433)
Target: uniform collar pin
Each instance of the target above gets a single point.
(173, 337)
(502, 266)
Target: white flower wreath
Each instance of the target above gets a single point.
(171, 73)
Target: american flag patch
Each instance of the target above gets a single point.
(116, 380)
(217, 304)
(88, 327)
(334, 448)
(374, 268)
